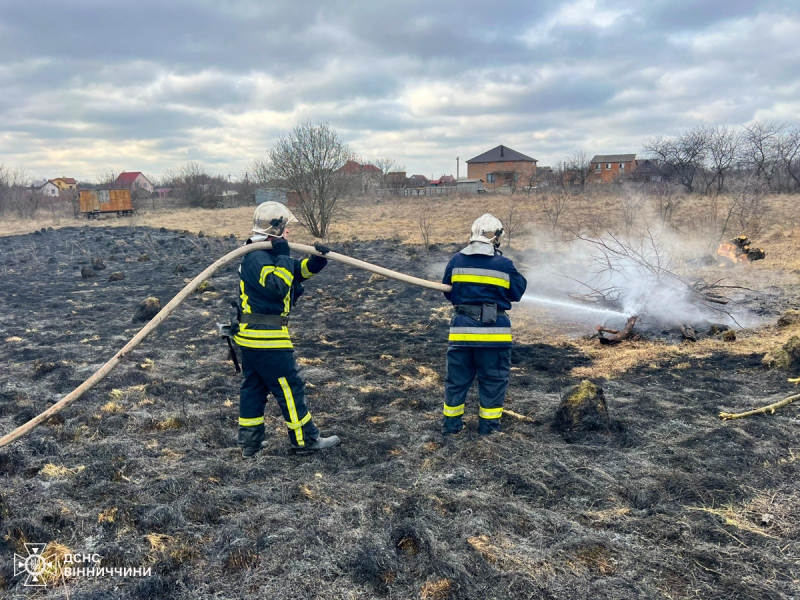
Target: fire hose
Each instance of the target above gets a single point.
(178, 299)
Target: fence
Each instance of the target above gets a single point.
(425, 191)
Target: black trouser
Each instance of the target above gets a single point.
(492, 366)
(273, 371)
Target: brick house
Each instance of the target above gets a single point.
(605, 168)
(501, 166)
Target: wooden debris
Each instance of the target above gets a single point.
(617, 336)
(758, 411)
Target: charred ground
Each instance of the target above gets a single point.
(144, 471)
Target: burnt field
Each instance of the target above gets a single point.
(144, 471)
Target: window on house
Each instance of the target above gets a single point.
(490, 178)
(621, 166)
(608, 166)
(597, 167)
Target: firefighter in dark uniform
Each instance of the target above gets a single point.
(270, 284)
(485, 283)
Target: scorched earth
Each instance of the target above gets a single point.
(144, 472)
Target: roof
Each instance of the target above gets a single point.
(128, 178)
(69, 180)
(613, 158)
(501, 154)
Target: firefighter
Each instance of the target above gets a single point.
(270, 284)
(485, 283)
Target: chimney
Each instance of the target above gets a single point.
(501, 151)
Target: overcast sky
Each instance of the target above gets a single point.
(92, 85)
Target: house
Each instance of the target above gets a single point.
(501, 166)
(366, 177)
(417, 181)
(48, 188)
(469, 186)
(447, 180)
(164, 192)
(605, 168)
(134, 180)
(649, 171)
(65, 183)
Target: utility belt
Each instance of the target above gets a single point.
(485, 313)
(256, 319)
(228, 331)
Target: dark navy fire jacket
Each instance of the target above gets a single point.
(482, 279)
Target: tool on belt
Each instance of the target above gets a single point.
(485, 313)
(228, 331)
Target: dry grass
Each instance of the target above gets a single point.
(59, 472)
(609, 362)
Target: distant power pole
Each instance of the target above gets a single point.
(457, 176)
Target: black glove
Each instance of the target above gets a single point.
(320, 248)
(280, 246)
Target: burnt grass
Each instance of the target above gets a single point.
(667, 505)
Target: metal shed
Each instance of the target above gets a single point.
(470, 186)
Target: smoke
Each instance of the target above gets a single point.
(647, 274)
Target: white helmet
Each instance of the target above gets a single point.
(271, 218)
(487, 229)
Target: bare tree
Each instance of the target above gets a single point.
(17, 194)
(682, 156)
(196, 186)
(106, 179)
(516, 213)
(388, 165)
(553, 205)
(425, 222)
(748, 206)
(788, 147)
(723, 146)
(667, 198)
(308, 163)
(761, 148)
(576, 169)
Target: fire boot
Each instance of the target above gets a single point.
(313, 446)
(251, 451)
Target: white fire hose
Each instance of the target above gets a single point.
(180, 297)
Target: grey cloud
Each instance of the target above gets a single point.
(215, 81)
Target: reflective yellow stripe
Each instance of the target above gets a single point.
(293, 420)
(491, 413)
(302, 422)
(251, 422)
(279, 271)
(263, 344)
(282, 333)
(304, 269)
(480, 279)
(480, 337)
(453, 411)
(287, 303)
(245, 298)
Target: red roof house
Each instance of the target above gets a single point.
(133, 180)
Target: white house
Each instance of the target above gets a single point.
(48, 188)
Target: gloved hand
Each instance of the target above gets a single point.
(280, 246)
(320, 248)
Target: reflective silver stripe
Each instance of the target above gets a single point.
(483, 330)
(482, 273)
